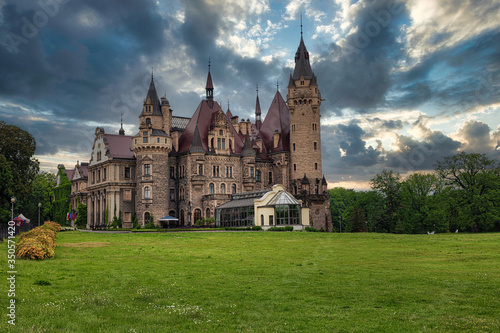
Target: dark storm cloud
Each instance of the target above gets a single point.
(413, 154)
(357, 73)
(82, 50)
(476, 135)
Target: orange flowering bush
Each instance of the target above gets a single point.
(38, 243)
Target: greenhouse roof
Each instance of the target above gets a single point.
(283, 198)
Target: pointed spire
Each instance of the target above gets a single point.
(210, 87)
(152, 99)
(302, 65)
(121, 131)
(277, 85)
(258, 113)
(196, 145)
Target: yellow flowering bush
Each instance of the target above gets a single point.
(38, 243)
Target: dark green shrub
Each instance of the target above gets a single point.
(311, 229)
(256, 227)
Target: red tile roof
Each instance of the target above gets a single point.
(119, 146)
(277, 118)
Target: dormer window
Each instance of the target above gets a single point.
(221, 132)
(148, 120)
(301, 83)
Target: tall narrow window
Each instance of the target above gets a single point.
(295, 167)
(223, 188)
(218, 143)
(233, 189)
(172, 194)
(211, 188)
(251, 172)
(147, 192)
(172, 172)
(200, 169)
(127, 172)
(270, 177)
(223, 143)
(257, 176)
(147, 169)
(294, 147)
(315, 146)
(315, 166)
(148, 120)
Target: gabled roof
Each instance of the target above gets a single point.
(69, 173)
(283, 198)
(152, 97)
(119, 146)
(302, 65)
(277, 119)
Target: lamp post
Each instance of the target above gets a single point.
(39, 205)
(13, 200)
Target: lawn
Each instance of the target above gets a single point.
(260, 282)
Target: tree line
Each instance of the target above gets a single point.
(462, 194)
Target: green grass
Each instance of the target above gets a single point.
(260, 282)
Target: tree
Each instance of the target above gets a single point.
(5, 190)
(61, 206)
(357, 220)
(42, 192)
(422, 204)
(388, 185)
(477, 179)
(18, 147)
(81, 217)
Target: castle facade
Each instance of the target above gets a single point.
(186, 167)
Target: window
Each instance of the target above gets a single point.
(223, 188)
(293, 126)
(316, 189)
(218, 143)
(295, 167)
(145, 133)
(229, 171)
(293, 147)
(315, 146)
(221, 132)
(207, 213)
(233, 189)
(145, 139)
(148, 120)
(262, 220)
(98, 175)
(301, 83)
(98, 155)
(172, 194)
(157, 140)
(211, 188)
(315, 166)
(315, 126)
(127, 217)
(200, 169)
(197, 214)
(215, 172)
(270, 220)
(147, 192)
(127, 195)
(147, 217)
(172, 213)
(287, 214)
(251, 172)
(257, 176)
(223, 143)
(147, 169)
(104, 174)
(270, 177)
(172, 172)
(127, 172)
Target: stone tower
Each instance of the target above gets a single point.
(151, 148)
(306, 177)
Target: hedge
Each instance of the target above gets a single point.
(38, 243)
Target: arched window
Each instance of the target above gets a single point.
(147, 192)
(147, 217)
(207, 213)
(211, 188)
(172, 213)
(182, 217)
(262, 220)
(223, 188)
(197, 214)
(233, 188)
(148, 120)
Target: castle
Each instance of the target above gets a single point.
(186, 167)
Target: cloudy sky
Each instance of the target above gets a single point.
(405, 83)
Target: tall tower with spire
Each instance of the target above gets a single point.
(304, 101)
(151, 147)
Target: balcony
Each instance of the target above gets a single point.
(216, 196)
